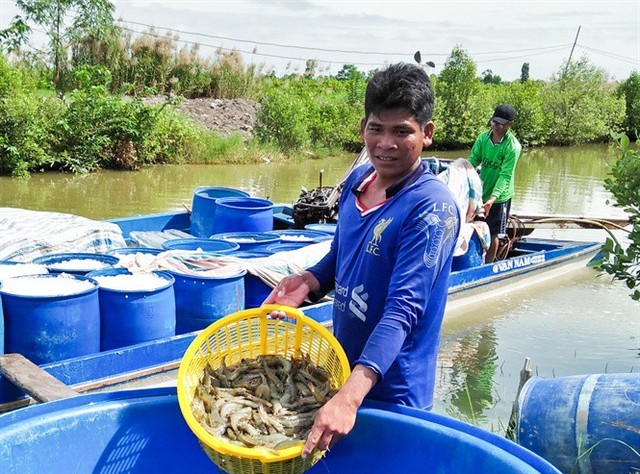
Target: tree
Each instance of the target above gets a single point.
(524, 72)
(489, 78)
(457, 106)
(349, 71)
(624, 183)
(630, 90)
(64, 21)
(581, 106)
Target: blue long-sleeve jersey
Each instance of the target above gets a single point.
(389, 267)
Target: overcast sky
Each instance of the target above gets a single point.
(498, 35)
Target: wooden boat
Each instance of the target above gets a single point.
(155, 362)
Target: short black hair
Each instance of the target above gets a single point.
(400, 85)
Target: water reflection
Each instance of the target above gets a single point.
(467, 365)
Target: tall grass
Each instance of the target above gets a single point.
(152, 63)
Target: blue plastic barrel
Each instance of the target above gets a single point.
(82, 266)
(52, 328)
(582, 424)
(143, 431)
(283, 247)
(201, 300)
(133, 316)
(328, 228)
(472, 258)
(243, 214)
(133, 251)
(247, 240)
(255, 291)
(204, 205)
(215, 246)
(299, 236)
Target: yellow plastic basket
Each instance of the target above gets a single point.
(247, 334)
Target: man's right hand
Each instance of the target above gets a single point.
(293, 289)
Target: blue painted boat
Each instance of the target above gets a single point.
(141, 431)
(530, 260)
(156, 361)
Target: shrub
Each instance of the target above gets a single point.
(624, 183)
(629, 90)
(26, 123)
(297, 113)
(580, 106)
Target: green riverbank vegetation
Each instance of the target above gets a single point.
(79, 106)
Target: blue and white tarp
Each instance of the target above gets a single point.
(25, 234)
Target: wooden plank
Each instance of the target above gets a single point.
(34, 381)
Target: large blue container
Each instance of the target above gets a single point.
(472, 258)
(142, 431)
(50, 261)
(243, 214)
(299, 236)
(283, 247)
(204, 205)
(130, 317)
(215, 246)
(582, 424)
(50, 328)
(201, 300)
(247, 240)
(255, 291)
(328, 228)
(133, 251)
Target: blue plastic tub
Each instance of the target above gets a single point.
(204, 206)
(130, 317)
(81, 268)
(51, 328)
(243, 214)
(143, 431)
(582, 424)
(247, 240)
(215, 246)
(201, 300)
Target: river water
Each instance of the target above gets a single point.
(576, 324)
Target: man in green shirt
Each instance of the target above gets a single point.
(497, 150)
